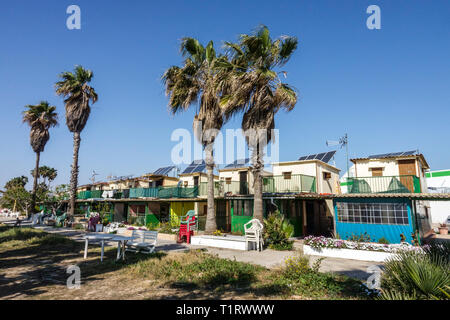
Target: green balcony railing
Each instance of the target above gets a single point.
(235, 188)
(203, 189)
(388, 184)
(177, 192)
(83, 195)
(296, 184)
(90, 194)
(144, 193)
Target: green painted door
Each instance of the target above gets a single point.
(241, 213)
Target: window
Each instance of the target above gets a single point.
(237, 207)
(377, 172)
(228, 180)
(287, 175)
(137, 209)
(326, 175)
(243, 208)
(373, 213)
(185, 183)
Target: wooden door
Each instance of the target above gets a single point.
(407, 169)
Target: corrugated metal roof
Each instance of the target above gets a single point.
(412, 196)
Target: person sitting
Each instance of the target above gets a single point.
(18, 222)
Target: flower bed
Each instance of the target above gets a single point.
(330, 243)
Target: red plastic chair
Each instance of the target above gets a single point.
(187, 229)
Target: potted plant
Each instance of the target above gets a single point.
(443, 229)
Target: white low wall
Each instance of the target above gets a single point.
(236, 243)
(363, 255)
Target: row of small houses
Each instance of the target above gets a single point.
(386, 197)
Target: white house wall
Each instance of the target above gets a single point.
(307, 168)
(390, 167)
(440, 210)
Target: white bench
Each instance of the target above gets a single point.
(143, 241)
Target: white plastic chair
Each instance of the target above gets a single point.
(254, 234)
(144, 241)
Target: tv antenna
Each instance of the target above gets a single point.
(93, 176)
(342, 142)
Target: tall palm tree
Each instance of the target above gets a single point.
(196, 81)
(255, 89)
(40, 118)
(75, 88)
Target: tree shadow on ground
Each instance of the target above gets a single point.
(32, 261)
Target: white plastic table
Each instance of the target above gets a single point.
(121, 243)
(96, 237)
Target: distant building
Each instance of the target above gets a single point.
(439, 182)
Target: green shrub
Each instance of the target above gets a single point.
(152, 225)
(298, 277)
(363, 237)
(383, 240)
(277, 232)
(296, 266)
(213, 271)
(79, 226)
(416, 275)
(166, 227)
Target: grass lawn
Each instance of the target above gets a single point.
(33, 266)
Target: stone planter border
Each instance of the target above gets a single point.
(228, 242)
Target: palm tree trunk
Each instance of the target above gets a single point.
(257, 185)
(211, 224)
(74, 173)
(35, 182)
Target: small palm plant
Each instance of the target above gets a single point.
(418, 275)
(75, 88)
(40, 118)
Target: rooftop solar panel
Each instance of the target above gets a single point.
(328, 156)
(164, 170)
(238, 163)
(324, 156)
(196, 166)
(392, 154)
(199, 168)
(320, 156)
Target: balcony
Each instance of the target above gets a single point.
(90, 194)
(203, 189)
(391, 184)
(143, 193)
(222, 188)
(138, 193)
(296, 183)
(177, 192)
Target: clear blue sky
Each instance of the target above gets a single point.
(389, 89)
